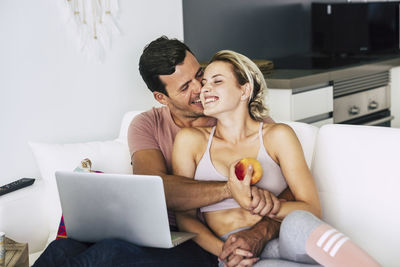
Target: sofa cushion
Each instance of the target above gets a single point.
(356, 169)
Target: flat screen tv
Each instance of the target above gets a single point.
(355, 28)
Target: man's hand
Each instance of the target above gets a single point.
(264, 203)
(251, 241)
(241, 248)
(240, 190)
(246, 240)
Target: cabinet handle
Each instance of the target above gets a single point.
(373, 105)
(354, 110)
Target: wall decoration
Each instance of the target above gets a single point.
(94, 23)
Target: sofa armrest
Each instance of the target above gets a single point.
(23, 216)
(356, 169)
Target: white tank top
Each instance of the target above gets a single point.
(272, 179)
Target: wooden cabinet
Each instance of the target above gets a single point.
(313, 106)
(395, 96)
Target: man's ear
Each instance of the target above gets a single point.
(246, 91)
(160, 97)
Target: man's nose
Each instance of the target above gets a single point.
(197, 86)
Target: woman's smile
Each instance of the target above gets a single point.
(210, 99)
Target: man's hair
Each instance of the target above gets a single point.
(246, 71)
(160, 57)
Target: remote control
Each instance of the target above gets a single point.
(21, 183)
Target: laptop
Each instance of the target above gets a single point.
(96, 206)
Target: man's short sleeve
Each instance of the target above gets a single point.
(268, 120)
(141, 133)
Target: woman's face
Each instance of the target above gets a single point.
(220, 90)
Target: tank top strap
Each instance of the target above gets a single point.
(260, 134)
(210, 138)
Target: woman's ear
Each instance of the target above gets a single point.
(246, 91)
(160, 97)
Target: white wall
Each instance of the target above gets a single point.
(50, 93)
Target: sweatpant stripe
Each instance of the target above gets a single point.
(325, 236)
(337, 246)
(331, 241)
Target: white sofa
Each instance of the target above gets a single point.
(356, 169)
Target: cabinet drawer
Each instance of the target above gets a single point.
(312, 103)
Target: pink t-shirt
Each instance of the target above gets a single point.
(153, 129)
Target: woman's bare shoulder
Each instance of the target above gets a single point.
(278, 137)
(191, 141)
(276, 132)
(195, 134)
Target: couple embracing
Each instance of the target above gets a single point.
(211, 119)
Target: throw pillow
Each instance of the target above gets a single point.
(86, 166)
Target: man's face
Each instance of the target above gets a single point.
(183, 87)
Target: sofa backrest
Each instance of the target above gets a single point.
(307, 135)
(126, 121)
(356, 169)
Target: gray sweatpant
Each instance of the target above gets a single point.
(289, 250)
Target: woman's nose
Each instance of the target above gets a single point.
(204, 89)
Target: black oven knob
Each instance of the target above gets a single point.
(354, 110)
(373, 105)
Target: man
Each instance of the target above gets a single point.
(173, 74)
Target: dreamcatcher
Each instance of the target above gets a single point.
(94, 22)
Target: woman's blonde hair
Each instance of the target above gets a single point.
(246, 71)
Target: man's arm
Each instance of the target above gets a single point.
(181, 193)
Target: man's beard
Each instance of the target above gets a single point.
(194, 115)
(186, 112)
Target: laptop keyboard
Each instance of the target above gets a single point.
(174, 237)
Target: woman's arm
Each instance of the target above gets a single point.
(285, 148)
(188, 143)
(188, 222)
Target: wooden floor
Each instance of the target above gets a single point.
(16, 254)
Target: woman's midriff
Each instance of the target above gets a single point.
(225, 221)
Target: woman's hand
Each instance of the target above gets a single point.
(256, 200)
(241, 249)
(241, 258)
(240, 190)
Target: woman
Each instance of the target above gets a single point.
(233, 92)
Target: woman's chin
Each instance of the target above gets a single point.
(209, 112)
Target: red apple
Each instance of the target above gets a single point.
(242, 166)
